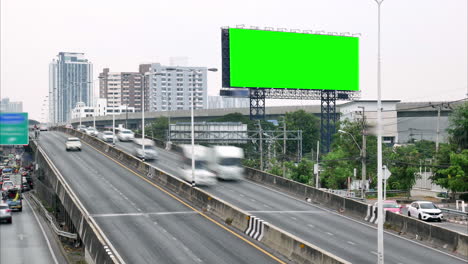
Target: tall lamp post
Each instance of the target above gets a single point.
(192, 117)
(361, 151)
(143, 110)
(380, 246)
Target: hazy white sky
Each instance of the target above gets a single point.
(424, 42)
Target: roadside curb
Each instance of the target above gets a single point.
(457, 222)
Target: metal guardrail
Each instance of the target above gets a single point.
(454, 212)
(51, 220)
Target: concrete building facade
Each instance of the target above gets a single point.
(219, 102)
(172, 90)
(121, 88)
(70, 82)
(7, 106)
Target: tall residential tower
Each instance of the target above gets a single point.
(70, 82)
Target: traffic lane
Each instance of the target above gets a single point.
(333, 233)
(103, 186)
(245, 194)
(134, 249)
(191, 241)
(23, 241)
(461, 228)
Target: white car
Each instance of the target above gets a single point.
(81, 128)
(73, 143)
(107, 136)
(91, 131)
(424, 210)
(125, 135)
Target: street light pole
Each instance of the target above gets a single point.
(192, 117)
(380, 245)
(363, 154)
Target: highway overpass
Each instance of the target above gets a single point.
(146, 223)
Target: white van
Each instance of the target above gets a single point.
(202, 175)
(150, 149)
(225, 162)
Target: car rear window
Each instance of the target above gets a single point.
(428, 206)
(73, 139)
(2, 207)
(126, 132)
(107, 133)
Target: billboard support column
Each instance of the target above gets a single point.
(327, 118)
(257, 104)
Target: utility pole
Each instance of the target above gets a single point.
(284, 146)
(363, 154)
(261, 145)
(318, 166)
(438, 128)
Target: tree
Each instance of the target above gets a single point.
(301, 172)
(455, 177)
(403, 164)
(158, 128)
(309, 124)
(458, 126)
(338, 166)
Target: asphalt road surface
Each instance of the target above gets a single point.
(24, 241)
(347, 238)
(143, 223)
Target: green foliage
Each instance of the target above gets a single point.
(403, 165)
(301, 172)
(158, 128)
(310, 126)
(458, 128)
(251, 163)
(337, 168)
(276, 168)
(455, 177)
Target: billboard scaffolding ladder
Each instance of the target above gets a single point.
(328, 118)
(257, 104)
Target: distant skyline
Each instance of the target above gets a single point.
(424, 42)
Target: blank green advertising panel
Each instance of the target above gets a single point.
(14, 129)
(272, 59)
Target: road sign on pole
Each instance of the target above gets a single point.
(14, 129)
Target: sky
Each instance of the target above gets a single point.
(424, 44)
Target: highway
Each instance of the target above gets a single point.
(25, 240)
(347, 238)
(143, 223)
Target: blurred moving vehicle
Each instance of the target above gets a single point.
(13, 198)
(81, 128)
(425, 210)
(73, 143)
(150, 149)
(125, 135)
(5, 213)
(7, 185)
(225, 162)
(107, 136)
(390, 205)
(43, 127)
(69, 126)
(202, 175)
(91, 131)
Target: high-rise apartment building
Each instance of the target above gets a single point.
(70, 82)
(172, 89)
(121, 88)
(7, 106)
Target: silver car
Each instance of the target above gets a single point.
(5, 213)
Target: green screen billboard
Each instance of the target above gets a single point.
(273, 59)
(14, 129)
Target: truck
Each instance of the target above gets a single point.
(225, 162)
(202, 175)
